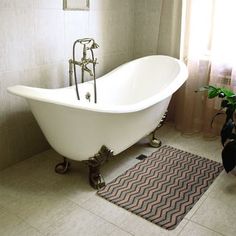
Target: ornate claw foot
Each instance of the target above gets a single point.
(63, 167)
(95, 178)
(154, 141)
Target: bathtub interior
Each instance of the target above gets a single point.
(137, 81)
(133, 86)
(130, 83)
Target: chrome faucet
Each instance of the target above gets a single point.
(88, 44)
(83, 63)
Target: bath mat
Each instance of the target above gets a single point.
(163, 187)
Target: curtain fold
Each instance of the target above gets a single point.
(208, 38)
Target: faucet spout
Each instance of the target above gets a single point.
(88, 70)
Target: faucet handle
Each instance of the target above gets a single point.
(86, 61)
(88, 70)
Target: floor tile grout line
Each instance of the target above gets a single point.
(201, 226)
(26, 222)
(214, 183)
(38, 229)
(183, 227)
(117, 226)
(23, 220)
(207, 227)
(199, 206)
(79, 205)
(122, 228)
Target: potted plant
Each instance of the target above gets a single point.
(228, 131)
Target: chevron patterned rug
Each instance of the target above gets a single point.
(163, 187)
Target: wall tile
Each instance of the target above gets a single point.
(35, 45)
(21, 55)
(3, 106)
(146, 27)
(4, 157)
(36, 42)
(3, 56)
(49, 40)
(48, 4)
(18, 24)
(52, 76)
(76, 27)
(18, 40)
(101, 5)
(140, 5)
(14, 109)
(96, 27)
(34, 139)
(16, 4)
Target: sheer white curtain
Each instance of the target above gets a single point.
(209, 50)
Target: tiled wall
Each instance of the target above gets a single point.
(157, 27)
(170, 28)
(147, 22)
(36, 39)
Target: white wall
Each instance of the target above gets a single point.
(157, 27)
(147, 22)
(35, 44)
(36, 38)
(170, 28)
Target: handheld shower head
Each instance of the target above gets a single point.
(94, 45)
(86, 41)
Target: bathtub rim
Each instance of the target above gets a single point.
(28, 92)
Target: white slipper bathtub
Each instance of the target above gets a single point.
(131, 101)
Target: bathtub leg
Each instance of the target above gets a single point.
(155, 142)
(63, 167)
(95, 178)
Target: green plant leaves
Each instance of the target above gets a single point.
(228, 130)
(213, 92)
(227, 92)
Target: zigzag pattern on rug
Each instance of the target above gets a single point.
(163, 187)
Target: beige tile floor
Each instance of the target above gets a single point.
(34, 200)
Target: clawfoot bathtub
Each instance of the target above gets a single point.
(131, 101)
